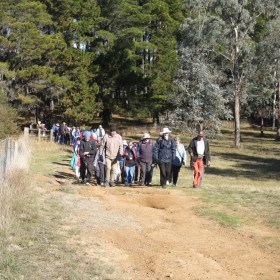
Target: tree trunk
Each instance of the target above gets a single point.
(106, 117)
(262, 127)
(237, 118)
(278, 113)
(155, 119)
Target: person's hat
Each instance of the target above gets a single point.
(87, 134)
(113, 128)
(165, 130)
(57, 124)
(146, 136)
(124, 142)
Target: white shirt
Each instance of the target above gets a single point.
(200, 147)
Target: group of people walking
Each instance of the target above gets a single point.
(111, 160)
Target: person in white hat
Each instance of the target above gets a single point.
(100, 132)
(164, 152)
(145, 159)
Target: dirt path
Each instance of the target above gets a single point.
(152, 233)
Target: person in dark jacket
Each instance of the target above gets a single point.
(200, 156)
(164, 152)
(145, 159)
(88, 149)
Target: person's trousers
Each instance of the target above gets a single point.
(175, 169)
(111, 169)
(129, 175)
(198, 167)
(165, 170)
(102, 170)
(86, 169)
(145, 172)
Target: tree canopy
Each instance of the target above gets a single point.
(203, 61)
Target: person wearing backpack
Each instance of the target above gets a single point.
(164, 152)
(87, 151)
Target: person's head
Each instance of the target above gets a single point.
(113, 130)
(130, 145)
(100, 126)
(87, 135)
(177, 140)
(165, 132)
(200, 135)
(124, 142)
(146, 137)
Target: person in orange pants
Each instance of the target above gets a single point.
(200, 156)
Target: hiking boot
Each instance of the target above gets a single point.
(112, 184)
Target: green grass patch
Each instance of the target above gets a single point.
(221, 217)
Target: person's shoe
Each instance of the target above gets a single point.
(195, 186)
(112, 184)
(88, 183)
(167, 183)
(173, 185)
(83, 182)
(102, 184)
(106, 184)
(163, 186)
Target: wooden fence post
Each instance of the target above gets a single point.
(26, 132)
(51, 135)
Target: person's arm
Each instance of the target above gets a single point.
(155, 152)
(184, 155)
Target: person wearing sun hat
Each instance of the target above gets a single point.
(164, 152)
(145, 159)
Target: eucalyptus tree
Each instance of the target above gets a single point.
(199, 97)
(226, 34)
(269, 62)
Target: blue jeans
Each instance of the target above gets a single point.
(129, 175)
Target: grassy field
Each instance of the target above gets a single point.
(242, 186)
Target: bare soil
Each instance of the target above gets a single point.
(153, 233)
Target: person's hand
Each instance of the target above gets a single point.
(101, 158)
(209, 163)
